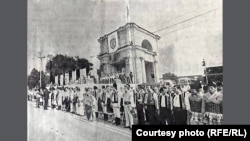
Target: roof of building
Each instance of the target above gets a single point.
(133, 25)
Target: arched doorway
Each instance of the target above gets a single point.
(146, 44)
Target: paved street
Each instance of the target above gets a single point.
(54, 125)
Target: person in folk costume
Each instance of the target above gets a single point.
(121, 93)
(38, 96)
(116, 99)
(81, 107)
(74, 101)
(220, 87)
(104, 103)
(94, 105)
(151, 106)
(146, 89)
(195, 104)
(129, 105)
(78, 103)
(46, 98)
(213, 105)
(179, 110)
(59, 99)
(166, 106)
(55, 98)
(71, 97)
(52, 98)
(185, 92)
(41, 97)
(67, 99)
(157, 116)
(84, 96)
(29, 94)
(88, 102)
(118, 80)
(109, 104)
(139, 104)
(100, 99)
(64, 99)
(95, 94)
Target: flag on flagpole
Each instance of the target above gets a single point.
(127, 11)
(128, 19)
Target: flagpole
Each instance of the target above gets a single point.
(128, 19)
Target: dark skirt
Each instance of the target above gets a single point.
(100, 105)
(88, 110)
(122, 107)
(109, 108)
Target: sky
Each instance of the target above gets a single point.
(189, 30)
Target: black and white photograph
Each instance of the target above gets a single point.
(95, 68)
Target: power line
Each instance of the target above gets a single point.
(186, 27)
(184, 13)
(186, 20)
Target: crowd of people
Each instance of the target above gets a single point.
(185, 104)
(114, 77)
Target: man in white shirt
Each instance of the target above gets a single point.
(116, 99)
(129, 106)
(179, 106)
(139, 105)
(151, 105)
(166, 106)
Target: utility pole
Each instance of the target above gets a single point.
(91, 62)
(49, 56)
(41, 58)
(204, 68)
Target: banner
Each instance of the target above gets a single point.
(56, 80)
(61, 79)
(82, 73)
(73, 75)
(66, 78)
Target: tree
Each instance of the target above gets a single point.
(60, 64)
(34, 79)
(170, 76)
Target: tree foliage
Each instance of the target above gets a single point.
(34, 79)
(60, 64)
(170, 76)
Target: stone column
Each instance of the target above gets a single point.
(156, 71)
(143, 70)
(138, 71)
(129, 65)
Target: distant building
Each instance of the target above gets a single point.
(190, 79)
(214, 73)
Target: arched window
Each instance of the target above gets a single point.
(146, 44)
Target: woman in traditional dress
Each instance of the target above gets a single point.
(213, 105)
(71, 93)
(77, 101)
(74, 101)
(94, 106)
(99, 93)
(88, 102)
(109, 102)
(194, 105)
